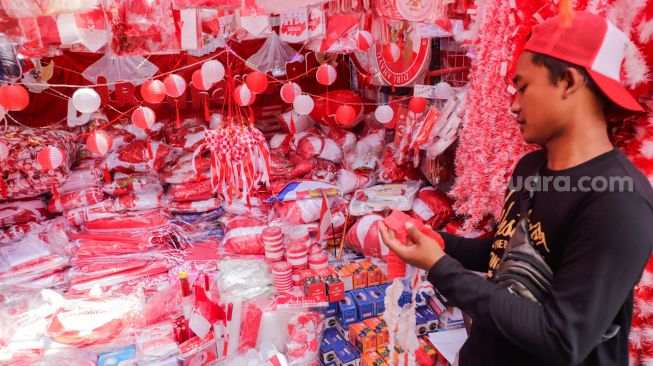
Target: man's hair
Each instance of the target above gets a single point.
(557, 69)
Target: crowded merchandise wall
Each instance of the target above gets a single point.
(201, 181)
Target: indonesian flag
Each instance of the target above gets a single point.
(325, 219)
(205, 313)
(92, 29)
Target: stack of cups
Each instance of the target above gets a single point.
(282, 276)
(297, 256)
(273, 242)
(299, 235)
(318, 260)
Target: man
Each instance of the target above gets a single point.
(596, 239)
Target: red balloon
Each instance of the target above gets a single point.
(327, 104)
(153, 91)
(14, 97)
(257, 82)
(345, 115)
(417, 105)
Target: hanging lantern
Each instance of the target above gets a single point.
(303, 104)
(4, 151)
(14, 97)
(50, 158)
(364, 41)
(391, 52)
(3, 112)
(153, 91)
(175, 85)
(345, 115)
(326, 74)
(443, 90)
(257, 82)
(143, 117)
(243, 96)
(417, 105)
(384, 114)
(212, 71)
(86, 100)
(199, 82)
(99, 143)
(289, 91)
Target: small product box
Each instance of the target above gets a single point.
(327, 347)
(347, 355)
(378, 297)
(345, 276)
(335, 288)
(331, 322)
(359, 275)
(374, 273)
(311, 283)
(422, 326)
(436, 305)
(364, 303)
(347, 310)
(331, 310)
(120, 357)
(373, 358)
(362, 337)
(432, 319)
(427, 348)
(421, 299)
(381, 330)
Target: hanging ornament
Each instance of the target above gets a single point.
(417, 105)
(345, 115)
(153, 91)
(391, 52)
(175, 85)
(257, 82)
(243, 96)
(289, 91)
(203, 85)
(51, 158)
(14, 97)
(443, 90)
(86, 100)
(364, 41)
(384, 114)
(100, 143)
(143, 117)
(4, 151)
(326, 74)
(303, 104)
(212, 71)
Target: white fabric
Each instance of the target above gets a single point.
(611, 54)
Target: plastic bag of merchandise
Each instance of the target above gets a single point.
(139, 201)
(324, 170)
(280, 143)
(392, 172)
(156, 342)
(97, 211)
(135, 183)
(17, 232)
(432, 206)
(366, 153)
(382, 197)
(349, 181)
(130, 220)
(345, 139)
(193, 191)
(243, 235)
(239, 280)
(183, 171)
(31, 258)
(22, 212)
(302, 189)
(300, 211)
(364, 236)
(135, 157)
(188, 137)
(79, 180)
(295, 123)
(206, 205)
(76, 199)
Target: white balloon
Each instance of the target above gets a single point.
(303, 104)
(384, 114)
(212, 71)
(86, 100)
(443, 90)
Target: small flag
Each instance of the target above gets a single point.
(325, 219)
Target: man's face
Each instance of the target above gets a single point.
(538, 103)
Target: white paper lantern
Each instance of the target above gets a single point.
(384, 114)
(212, 71)
(443, 90)
(244, 96)
(303, 104)
(86, 100)
(290, 91)
(326, 74)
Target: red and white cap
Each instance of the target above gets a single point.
(592, 42)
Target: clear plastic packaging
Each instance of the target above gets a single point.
(193, 191)
(76, 199)
(81, 179)
(182, 171)
(378, 198)
(273, 56)
(22, 212)
(139, 201)
(243, 235)
(239, 280)
(137, 183)
(135, 157)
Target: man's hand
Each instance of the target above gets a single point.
(421, 252)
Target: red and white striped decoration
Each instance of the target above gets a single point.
(143, 117)
(244, 97)
(4, 151)
(50, 158)
(326, 74)
(289, 91)
(364, 41)
(99, 143)
(153, 91)
(175, 85)
(199, 82)
(391, 52)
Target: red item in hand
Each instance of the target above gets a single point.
(397, 221)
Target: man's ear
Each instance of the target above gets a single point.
(572, 81)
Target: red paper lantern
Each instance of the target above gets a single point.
(199, 82)
(143, 117)
(391, 52)
(327, 104)
(14, 97)
(326, 74)
(345, 115)
(290, 91)
(50, 158)
(153, 91)
(364, 41)
(244, 96)
(175, 85)
(257, 82)
(99, 143)
(417, 105)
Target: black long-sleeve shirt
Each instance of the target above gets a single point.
(597, 244)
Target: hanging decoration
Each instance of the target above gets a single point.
(51, 158)
(144, 118)
(303, 104)
(86, 100)
(201, 84)
(391, 52)
(364, 41)
(326, 74)
(243, 96)
(212, 71)
(345, 115)
(153, 91)
(289, 91)
(14, 97)
(257, 82)
(175, 88)
(100, 143)
(417, 105)
(384, 114)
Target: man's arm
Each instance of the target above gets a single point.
(602, 261)
(473, 254)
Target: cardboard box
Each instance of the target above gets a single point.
(359, 275)
(381, 329)
(362, 337)
(346, 277)
(374, 273)
(378, 297)
(330, 322)
(331, 310)
(347, 355)
(347, 311)
(373, 358)
(364, 304)
(312, 283)
(327, 347)
(422, 326)
(335, 288)
(432, 320)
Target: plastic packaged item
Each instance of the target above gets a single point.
(243, 235)
(130, 220)
(303, 189)
(76, 199)
(398, 196)
(349, 181)
(187, 137)
(345, 139)
(195, 206)
(81, 179)
(366, 153)
(139, 201)
(17, 232)
(364, 237)
(300, 211)
(99, 210)
(136, 183)
(280, 142)
(183, 172)
(304, 333)
(392, 172)
(22, 212)
(320, 147)
(432, 206)
(193, 191)
(273, 56)
(156, 342)
(29, 259)
(295, 123)
(135, 157)
(239, 280)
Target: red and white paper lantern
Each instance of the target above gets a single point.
(391, 52)
(244, 96)
(50, 158)
(153, 91)
(290, 91)
(364, 41)
(257, 82)
(384, 114)
(199, 82)
(175, 85)
(303, 104)
(326, 74)
(99, 143)
(212, 71)
(143, 117)
(86, 100)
